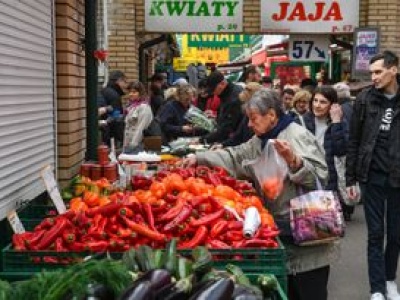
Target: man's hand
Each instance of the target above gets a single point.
(353, 193)
(187, 128)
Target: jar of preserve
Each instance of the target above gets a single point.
(111, 171)
(96, 171)
(102, 154)
(86, 169)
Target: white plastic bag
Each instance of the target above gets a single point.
(271, 171)
(197, 117)
(340, 166)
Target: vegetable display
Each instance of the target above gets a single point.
(140, 275)
(195, 205)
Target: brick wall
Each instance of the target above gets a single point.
(71, 102)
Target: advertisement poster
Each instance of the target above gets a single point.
(311, 16)
(366, 45)
(194, 16)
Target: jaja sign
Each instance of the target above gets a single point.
(194, 16)
(311, 16)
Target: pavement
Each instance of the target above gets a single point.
(349, 275)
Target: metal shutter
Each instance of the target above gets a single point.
(27, 104)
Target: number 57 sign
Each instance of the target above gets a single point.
(308, 47)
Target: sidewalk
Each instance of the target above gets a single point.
(349, 278)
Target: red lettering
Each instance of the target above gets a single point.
(334, 13)
(284, 9)
(298, 12)
(318, 13)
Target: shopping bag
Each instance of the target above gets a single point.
(316, 217)
(340, 166)
(270, 170)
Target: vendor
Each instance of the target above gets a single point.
(308, 267)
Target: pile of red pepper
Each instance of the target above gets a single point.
(184, 203)
(119, 226)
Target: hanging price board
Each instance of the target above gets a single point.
(15, 222)
(52, 189)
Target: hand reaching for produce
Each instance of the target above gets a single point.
(216, 147)
(187, 128)
(189, 161)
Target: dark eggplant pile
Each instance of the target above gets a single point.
(169, 276)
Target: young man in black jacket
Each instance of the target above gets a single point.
(373, 159)
(229, 113)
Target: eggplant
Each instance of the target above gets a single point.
(244, 290)
(248, 296)
(200, 286)
(222, 289)
(157, 277)
(138, 291)
(97, 291)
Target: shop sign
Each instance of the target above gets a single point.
(366, 45)
(311, 16)
(218, 40)
(194, 16)
(308, 47)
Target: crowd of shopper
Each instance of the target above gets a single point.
(312, 126)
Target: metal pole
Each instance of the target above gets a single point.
(91, 80)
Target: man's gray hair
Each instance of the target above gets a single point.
(265, 99)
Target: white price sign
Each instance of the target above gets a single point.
(52, 189)
(15, 222)
(309, 47)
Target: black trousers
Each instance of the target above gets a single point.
(311, 285)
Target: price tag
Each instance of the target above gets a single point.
(52, 189)
(15, 222)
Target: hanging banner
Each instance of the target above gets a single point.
(218, 40)
(366, 45)
(311, 16)
(194, 16)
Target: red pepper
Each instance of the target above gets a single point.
(143, 230)
(199, 237)
(125, 233)
(95, 223)
(235, 225)
(107, 210)
(126, 212)
(198, 200)
(149, 215)
(217, 244)
(82, 221)
(229, 181)
(53, 233)
(18, 240)
(170, 198)
(213, 179)
(78, 247)
(45, 224)
(32, 241)
(202, 171)
(267, 233)
(59, 246)
(218, 228)
(50, 260)
(220, 171)
(98, 246)
(69, 237)
(185, 228)
(208, 218)
(215, 203)
(174, 211)
(183, 215)
(257, 243)
(234, 236)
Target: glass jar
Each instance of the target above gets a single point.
(96, 171)
(86, 169)
(102, 154)
(111, 171)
